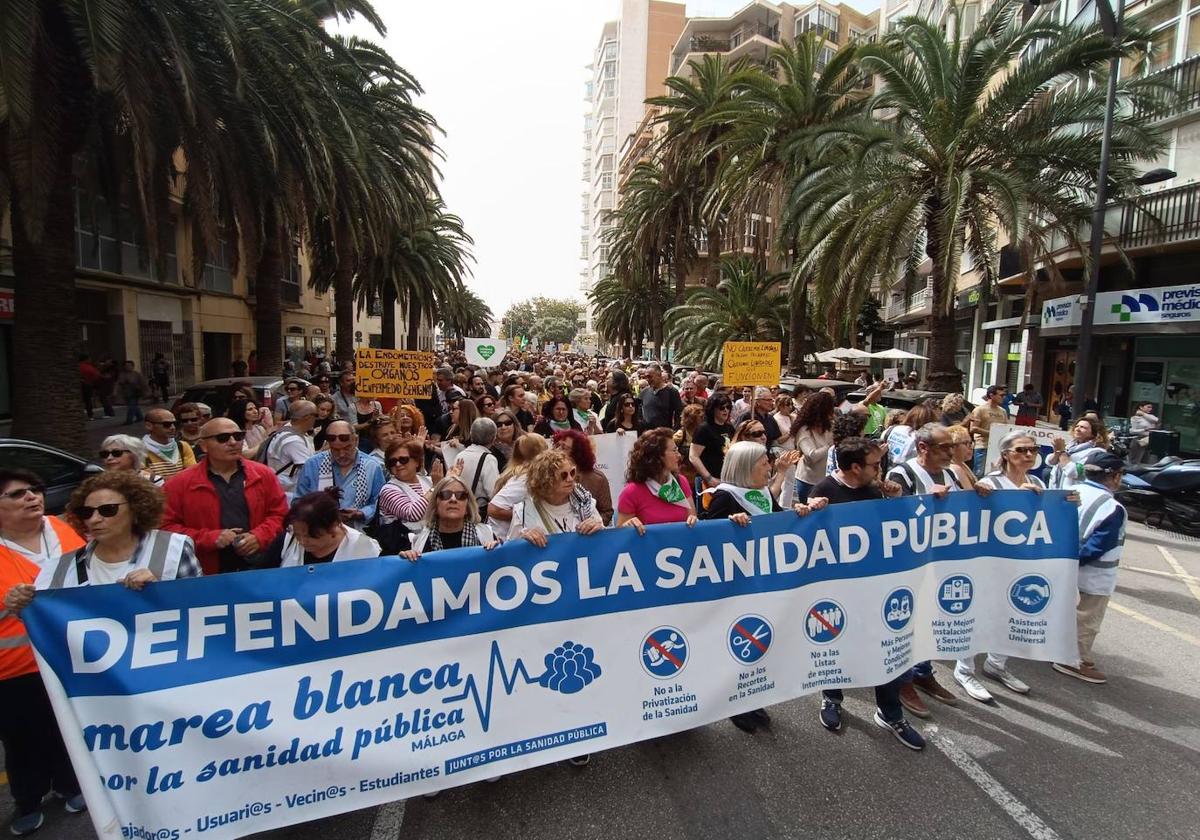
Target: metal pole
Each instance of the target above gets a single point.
(1084, 366)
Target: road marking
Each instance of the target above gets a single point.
(986, 782)
(1159, 573)
(1155, 623)
(388, 820)
(1187, 579)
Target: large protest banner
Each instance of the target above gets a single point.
(750, 363)
(392, 374)
(236, 704)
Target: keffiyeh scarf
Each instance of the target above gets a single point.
(469, 537)
(357, 483)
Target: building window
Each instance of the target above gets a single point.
(824, 57)
(115, 241)
(610, 51)
(216, 276)
(610, 70)
(289, 288)
(606, 181)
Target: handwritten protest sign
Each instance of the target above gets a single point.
(751, 363)
(392, 374)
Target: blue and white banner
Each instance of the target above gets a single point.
(224, 706)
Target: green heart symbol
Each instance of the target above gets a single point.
(486, 351)
(759, 500)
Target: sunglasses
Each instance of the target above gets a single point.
(21, 492)
(488, 404)
(343, 438)
(759, 434)
(399, 461)
(223, 437)
(188, 419)
(457, 495)
(85, 512)
(565, 474)
(168, 423)
(112, 453)
(1025, 450)
(500, 424)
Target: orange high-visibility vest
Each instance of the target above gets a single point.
(16, 654)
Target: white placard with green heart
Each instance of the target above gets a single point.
(485, 352)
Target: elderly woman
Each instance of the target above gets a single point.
(1018, 455)
(744, 493)
(554, 502)
(654, 492)
(125, 453)
(557, 416)
(961, 455)
(511, 485)
(576, 444)
(34, 755)
(478, 465)
(581, 400)
(1068, 460)
(405, 497)
(452, 521)
(508, 431)
(314, 533)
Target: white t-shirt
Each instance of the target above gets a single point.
(560, 519)
(507, 498)
(100, 573)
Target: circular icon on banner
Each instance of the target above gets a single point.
(955, 594)
(664, 652)
(749, 638)
(1030, 594)
(897, 608)
(824, 622)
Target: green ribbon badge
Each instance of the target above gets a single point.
(759, 499)
(671, 492)
(486, 351)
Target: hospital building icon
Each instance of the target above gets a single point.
(956, 589)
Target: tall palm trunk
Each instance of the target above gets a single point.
(44, 294)
(387, 315)
(714, 255)
(797, 326)
(411, 341)
(942, 374)
(267, 317)
(343, 293)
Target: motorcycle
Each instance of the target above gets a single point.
(1165, 492)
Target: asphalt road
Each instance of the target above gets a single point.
(1070, 760)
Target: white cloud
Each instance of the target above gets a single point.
(506, 83)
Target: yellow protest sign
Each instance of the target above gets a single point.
(392, 374)
(750, 363)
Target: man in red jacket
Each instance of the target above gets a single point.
(230, 507)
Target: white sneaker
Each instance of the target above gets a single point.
(1006, 678)
(972, 686)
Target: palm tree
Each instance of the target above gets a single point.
(466, 314)
(773, 116)
(984, 137)
(629, 310)
(746, 305)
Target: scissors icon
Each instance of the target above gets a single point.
(746, 645)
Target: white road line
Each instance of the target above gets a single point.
(388, 820)
(1012, 806)
(1158, 573)
(1155, 623)
(1188, 580)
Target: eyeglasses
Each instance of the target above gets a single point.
(21, 492)
(223, 437)
(1025, 450)
(759, 434)
(500, 424)
(456, 495)
(488, 405)
(108, 511)
(872, 463)
(340, 438)
(188, 419)
(566, 474)
(112, 453)
(399, 461)
(168, 423)
(948, 445)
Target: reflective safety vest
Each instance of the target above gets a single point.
(16, 654)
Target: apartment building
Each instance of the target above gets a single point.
(1148, 318)
(628, 67)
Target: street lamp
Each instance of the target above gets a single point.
(1110, 22)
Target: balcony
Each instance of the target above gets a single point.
(1184, 77)
(1168, 216)
(906, 306)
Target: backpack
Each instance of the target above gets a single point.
(261, 456)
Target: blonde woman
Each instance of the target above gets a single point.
(961, 454)
(954, 409)
(451, 522)
(555, 502)
(511, 486)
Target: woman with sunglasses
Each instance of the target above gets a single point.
(579, 446)
(511, 487)
(555, 503)
(125, 453)
(34, 755)
(1018, 455)
(712, 437)
(627, 416)
(750, 430)
(617, 387)
(486, 405)
(556, 417)
(314, 533)
(508, 431)
(451, 522)
(961, 454)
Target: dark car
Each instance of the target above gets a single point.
(217, 393)
(61, 471)
(904, 400)
(798, 385)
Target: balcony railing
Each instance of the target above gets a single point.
(1166, 216)
(1184, 77)
(706, 43)
(899, 307)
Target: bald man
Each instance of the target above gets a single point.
(165, 455)
(230, 507)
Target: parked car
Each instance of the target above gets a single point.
(903, 400)
(798, 385)
(216, 393)
(61, 471)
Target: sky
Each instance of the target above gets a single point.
(505, 80)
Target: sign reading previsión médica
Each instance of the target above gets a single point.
(225, 706)
(1157, 305)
